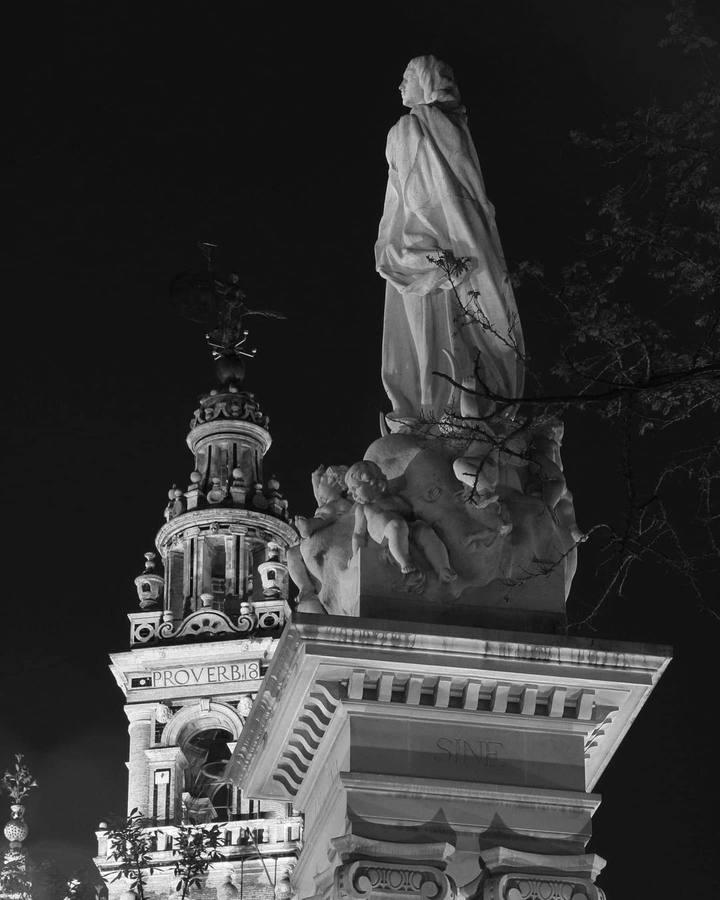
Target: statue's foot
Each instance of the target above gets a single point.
(414, 579)
(446, 574)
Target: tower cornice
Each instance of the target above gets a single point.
(231, 521)
(220, 429)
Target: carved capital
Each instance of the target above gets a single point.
(540, 887)
(375, 879)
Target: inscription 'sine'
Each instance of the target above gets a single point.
(471, 753)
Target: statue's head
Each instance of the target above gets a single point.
(365, 481)
(428, 79)
(332, 483)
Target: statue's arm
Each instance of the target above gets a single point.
(315, 479)
(359, 538)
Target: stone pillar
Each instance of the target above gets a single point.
(140, 728)
(168, 792)
(188, 569)
(231, 579)
(402, 732)
(201, 584)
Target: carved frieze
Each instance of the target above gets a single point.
(148, 628)
(231, 405)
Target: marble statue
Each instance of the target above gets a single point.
(548, 479)
(421, 536)
(461, 509)
(436, 202)
(244, 705)
(385, 517)
(330, 492)
(324, 549)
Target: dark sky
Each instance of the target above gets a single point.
(137, 129)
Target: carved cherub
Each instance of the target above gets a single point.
(547, 476)
(384, 516)
(477, 469)
(330, 493)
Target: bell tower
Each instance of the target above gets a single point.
(213, 601)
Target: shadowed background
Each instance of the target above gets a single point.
(136, 130)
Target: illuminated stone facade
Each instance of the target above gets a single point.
(433, 761)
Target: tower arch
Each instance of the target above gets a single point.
(191, 720)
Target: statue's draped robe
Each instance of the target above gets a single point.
(436, 200)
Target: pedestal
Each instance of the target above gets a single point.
(432, 759)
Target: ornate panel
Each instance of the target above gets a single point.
(372, 880)
(540, 887)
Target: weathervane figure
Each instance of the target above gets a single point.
(219, 304)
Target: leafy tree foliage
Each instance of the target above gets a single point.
(642, 310)
(14, 881)
(196, 849)
(19, 781)
(130, 844)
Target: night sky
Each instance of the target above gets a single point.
(136, 130)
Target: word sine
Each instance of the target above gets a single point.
(191, 675)
(462, 752)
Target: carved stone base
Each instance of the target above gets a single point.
(513, 875)
(540, 887)
(381, 870)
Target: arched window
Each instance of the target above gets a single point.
(207, 754)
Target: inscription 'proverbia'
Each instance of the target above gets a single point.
(188, 676)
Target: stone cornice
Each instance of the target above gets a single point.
(502, 859)
(240, 520)
(190, 654)
(589, 687)
(141, 712)
(216, 428)
(390, 785)
(159, 755)
(488, 643)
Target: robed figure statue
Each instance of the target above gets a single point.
(435, 202)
